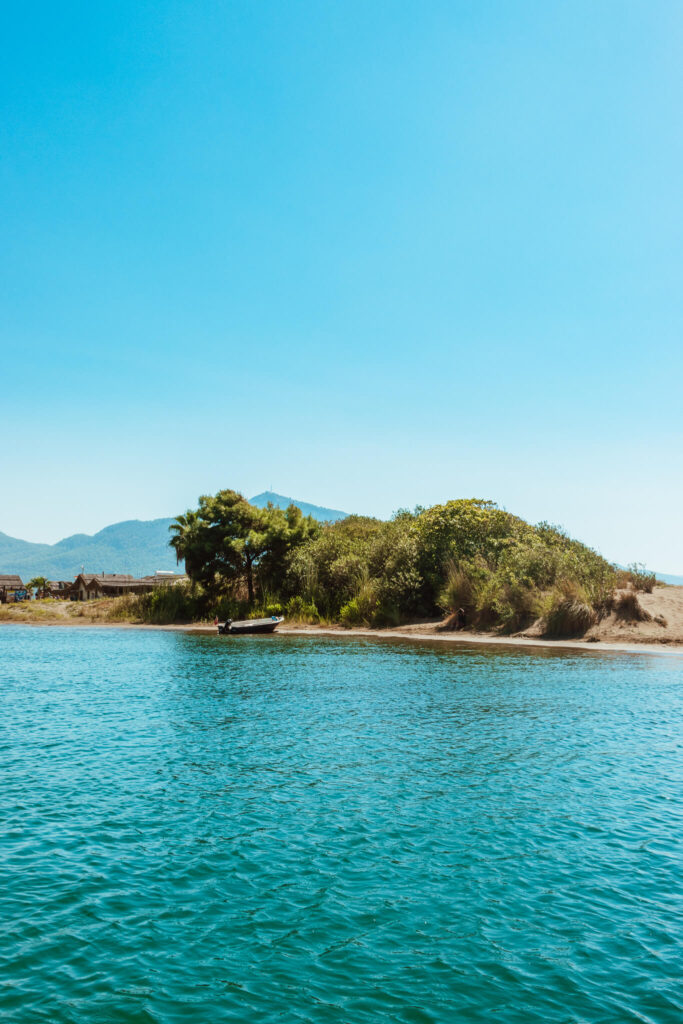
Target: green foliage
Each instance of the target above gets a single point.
(465, 554)
(180, 603)
(522, 573)
(329, 569)
(299, 610)
(460, 530)
(459, 590)
(362, 609)
(183, 602)
(227, 541)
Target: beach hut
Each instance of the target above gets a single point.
(87, 586)
(10, 587)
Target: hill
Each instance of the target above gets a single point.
(136, 546)
(673, 581)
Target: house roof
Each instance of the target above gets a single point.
(109, 581)
(11, 582)
(108, 577)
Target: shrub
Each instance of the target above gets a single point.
(350, 613)
(569, 618)
(166, 604)
(628, 607)
(361, 609)
(386, 614)
(458, 591)
(568, 612)
(517, 606)
(301, 611)
(640, 578)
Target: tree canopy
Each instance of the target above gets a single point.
(227, 541)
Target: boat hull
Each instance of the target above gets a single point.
(250, 626)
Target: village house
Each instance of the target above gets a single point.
(88, 587)
(10, 586)
(60, 590)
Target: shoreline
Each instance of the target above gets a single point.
(421, 634)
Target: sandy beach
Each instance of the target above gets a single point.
(660, 632)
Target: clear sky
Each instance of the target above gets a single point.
(372, 253)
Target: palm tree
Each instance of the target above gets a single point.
(186, 530)
(39, 584)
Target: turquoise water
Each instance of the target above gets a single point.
(287, 829)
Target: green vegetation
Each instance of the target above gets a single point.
(637, 577)
(467, 559)
(226, 542)
(466, 562)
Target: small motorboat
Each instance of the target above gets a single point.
(251, 625)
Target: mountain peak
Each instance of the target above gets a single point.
(319, 512)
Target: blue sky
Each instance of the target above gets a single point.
(371, 254)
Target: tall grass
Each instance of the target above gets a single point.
(569, 612)
(179, 603)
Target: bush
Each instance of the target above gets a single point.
(361, 609)
(301, 611)
(166, 604)
(628, 607)
(640, 578)
(458, 591)
(568, 612)
(569, 618)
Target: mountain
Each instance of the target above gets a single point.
(666, 577)
(135, 547)
(323, 515)
(139, 547)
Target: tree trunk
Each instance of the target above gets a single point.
(250, 582)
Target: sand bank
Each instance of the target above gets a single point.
(660, 633)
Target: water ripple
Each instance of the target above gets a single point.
(331, 831)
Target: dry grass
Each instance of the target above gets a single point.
(30, 611)
(569, 618)
(51, 612)
(628, 607)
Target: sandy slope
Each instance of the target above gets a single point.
(663, 603)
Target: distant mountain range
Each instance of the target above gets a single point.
(135, 546)
(666, 577)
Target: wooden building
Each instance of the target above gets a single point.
(9, 587)
(88, 587)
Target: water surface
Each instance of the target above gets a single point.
(306, 829)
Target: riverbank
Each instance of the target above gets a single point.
(662, 631)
